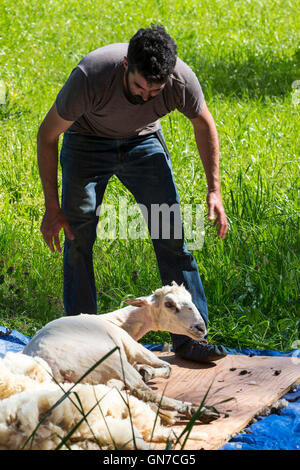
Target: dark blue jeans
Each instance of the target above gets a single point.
(143, 166)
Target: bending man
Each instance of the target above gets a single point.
(109, 112)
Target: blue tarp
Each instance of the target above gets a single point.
(273, 432)
(14, 341)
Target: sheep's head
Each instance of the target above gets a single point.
(172, 309)
(178, 314)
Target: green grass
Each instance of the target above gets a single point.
(246, 55)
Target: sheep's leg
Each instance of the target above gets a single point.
(155, 367)
(139, 389)
(148, 372)
(166, 416)
(152, 360)
(186, 408)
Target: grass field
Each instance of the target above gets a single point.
(246, 55)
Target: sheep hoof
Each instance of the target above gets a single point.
(168, 372)
(208, 414)
(146, 373)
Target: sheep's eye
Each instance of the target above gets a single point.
(171, 305)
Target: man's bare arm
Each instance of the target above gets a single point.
(47, 154)
(207, 141)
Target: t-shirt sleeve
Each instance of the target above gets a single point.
(75, 97)
(193, 98)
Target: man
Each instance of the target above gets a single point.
(109, 112)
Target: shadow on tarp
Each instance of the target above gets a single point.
(273, 432)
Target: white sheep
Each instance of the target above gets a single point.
(73, 344)
(113, 418)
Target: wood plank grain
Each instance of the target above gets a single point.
(251, 382)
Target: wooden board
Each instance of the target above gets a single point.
(267, 379)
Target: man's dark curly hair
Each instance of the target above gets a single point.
(152, 52)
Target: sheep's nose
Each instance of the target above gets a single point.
(201, 328)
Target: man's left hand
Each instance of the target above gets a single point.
(215, 206)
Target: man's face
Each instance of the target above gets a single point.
(137, 89)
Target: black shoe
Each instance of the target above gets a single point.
(200, 351)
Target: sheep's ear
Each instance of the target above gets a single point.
(137, 302)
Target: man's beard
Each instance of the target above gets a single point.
(134, 99)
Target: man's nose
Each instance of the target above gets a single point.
(146, 96)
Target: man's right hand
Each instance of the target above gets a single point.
(53, 221)
(47, 154)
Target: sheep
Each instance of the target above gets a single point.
(71, 345)
(113, 418)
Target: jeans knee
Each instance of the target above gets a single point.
(85, 236)
(176, 252)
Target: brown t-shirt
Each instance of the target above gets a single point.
(94, 97)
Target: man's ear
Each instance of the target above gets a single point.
(125, 63)
(140, 302)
